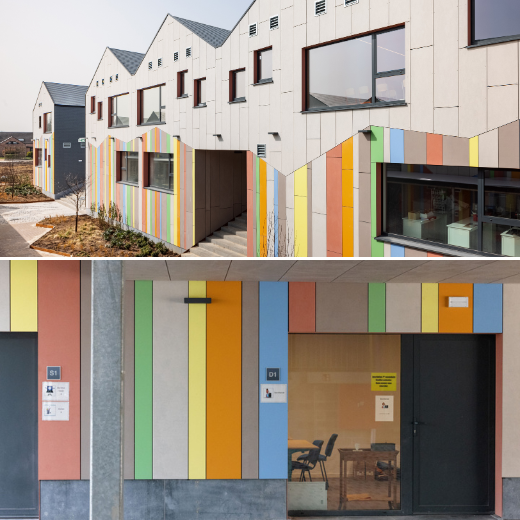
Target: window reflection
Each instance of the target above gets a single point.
(129, 167)
(390, 89)
(390, 51)
(153, 107)
(121, 110)
(161, 170)
(495, 19)
(265, 65)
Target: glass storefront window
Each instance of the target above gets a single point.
(335, 398)
(502, 193)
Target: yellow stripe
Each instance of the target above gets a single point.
(473, 152)
(197, 383)
(430, 307)
(300, 212)
(24, 295)
(193, 191)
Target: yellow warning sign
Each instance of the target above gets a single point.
(386, 381)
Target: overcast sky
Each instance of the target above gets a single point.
(62, 41)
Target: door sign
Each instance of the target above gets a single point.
(272, 393)
(384, 408)
(272, 374)
(54, 373)
(52, 411)
(55, 391)
(384, 381)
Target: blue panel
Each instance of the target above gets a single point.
(396, 251)
(274, 353)
(396, 146)
(276, 213)
(487, 308)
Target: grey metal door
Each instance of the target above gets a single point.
(18, 425)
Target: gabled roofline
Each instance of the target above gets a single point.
(65, 84)
(39, 92)
(241, 18)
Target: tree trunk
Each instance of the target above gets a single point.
(76, 222)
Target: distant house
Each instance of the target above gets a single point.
(58, 123)
(15, 142)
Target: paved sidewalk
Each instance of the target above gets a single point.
(18, 227)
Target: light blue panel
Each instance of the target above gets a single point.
(276, 213)
(396, 251)
(396, 146)
(274, 353)
(487, 308)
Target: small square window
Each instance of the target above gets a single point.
(188, 52)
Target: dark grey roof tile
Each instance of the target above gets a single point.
(129, 60)
(67, 95)
(212, 35)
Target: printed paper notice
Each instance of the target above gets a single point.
(384, 408)
(384, 381)
(273, 393)
(52, 411)
(55, 391)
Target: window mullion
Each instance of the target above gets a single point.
(374, 67)
(480, 209)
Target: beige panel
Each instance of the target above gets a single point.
(509, 146)
(341, 307)
(380, 117)
(328, 130)
(379, 14)
(312, 121)
(488, 149)
(360, 17)
(422, 88)
(414, 147)
(446, 121)
(422, 23)
(365, 240)
(403, 307)
(455, 151)
(343, 126)
(414, 253)
(399, 11)
(511, 396)
(400, 117)
(343, 21)
(364, 153)
(503, 64)
(364, 197)
(502, 105)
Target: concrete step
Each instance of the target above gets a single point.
(200, 252)
(241, 219)
(227, 244)
(237, 239)
(231, 230)
(218, 250)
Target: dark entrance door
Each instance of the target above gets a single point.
(453, 430)
(18, 425)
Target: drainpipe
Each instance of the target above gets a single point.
(106, 408)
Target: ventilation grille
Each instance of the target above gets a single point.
(159, 62)
(102, 82)
(67, 145)
(320, 7)
(117, 77)
(260, 150)
(188, 52)
(351, 2)
(97, 83)
(273, 22)
(253, 30)
(110, 79)
(150, 65)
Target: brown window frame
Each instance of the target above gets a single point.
(324, 44)
(196, 93)
(45, 122)
(490, 41)
(100, 111)
(49, 161)
(38, 157)
(92, 104)
(181, 83)
(256, 62)
(39, 121)
(140, 104)
(232, 85)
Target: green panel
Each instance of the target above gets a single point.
(257, 177)
(168, 144)
(168, 218)
(376, 144)
(376, 307)
(143, 379)
(378, 249)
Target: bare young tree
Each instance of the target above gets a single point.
(285, 245)
(77, 187)
(10, 174)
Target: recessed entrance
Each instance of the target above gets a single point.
(19, 425)
(389, 424)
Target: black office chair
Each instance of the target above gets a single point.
(323, 458)
(309, 463)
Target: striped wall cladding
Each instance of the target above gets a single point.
(168, 217)
(43, 176)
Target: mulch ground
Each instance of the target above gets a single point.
(26, 170)
(89, 240)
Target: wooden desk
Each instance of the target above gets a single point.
(296, 446)
(366, 456)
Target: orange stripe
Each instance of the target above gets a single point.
(224, 361)
(455, 319)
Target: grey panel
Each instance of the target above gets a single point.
(250, 380)
(342, 307)
(414, 147)
(68, 95)
(170, 380)
(86, 278)
(64, 499)
(5, 302)
(403, 307)
(511, 498)
(225, 499)
(455, 151)
(19, 433)
(282, 194)
(508, 146)
(130, 60)
(144, 499)
(129, 388)
(364, 197)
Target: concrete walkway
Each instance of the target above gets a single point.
(18, 227)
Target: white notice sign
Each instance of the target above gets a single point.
(52, 411)
(55, 391)
(384, 407)
(273, 393)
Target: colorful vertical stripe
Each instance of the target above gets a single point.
(24, 295)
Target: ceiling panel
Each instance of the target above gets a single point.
(318, 270)
(146, 269)
(195, 269)
(384, 270)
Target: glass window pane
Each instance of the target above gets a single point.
(240, 84)
(438, 204)
(501, 240)
(265, 65)
(496, 18)
(151, 108)
(161, 171)
(49, 121)
(340, 74)
(502, 197)
(121, 110)
(330, 399)
(390, 51)
(129, 167)
(163, 103)
(390, 88)
(202, 99)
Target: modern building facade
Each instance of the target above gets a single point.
(366, 127)
(407, 367)
(58, 125)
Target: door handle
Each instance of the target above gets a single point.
(417, 423)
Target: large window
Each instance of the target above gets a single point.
(47, 123)
(129, 167)
(160, 171)
(120, 110)
(495, 20)
(238, 85)
(349, 73)
(463, 207)
(264, 66)
(153, 105)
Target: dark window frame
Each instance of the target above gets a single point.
(479, 185)
(472, 42)
(39, 121)
(375, 75)
(256, 71)
(100, 111)
(92, 104)
(147, 176)
(120, 168)
(140, 105)
(111, 111)
(196, 93)
(38, 158)
(181, 83)
(45, 131)
(232, 86)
